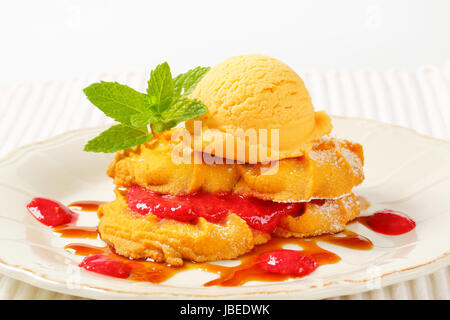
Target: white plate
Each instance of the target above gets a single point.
(404, 171)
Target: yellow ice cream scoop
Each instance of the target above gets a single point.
(260, 104)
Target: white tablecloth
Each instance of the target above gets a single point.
(31, 112)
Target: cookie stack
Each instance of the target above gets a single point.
(170, 210)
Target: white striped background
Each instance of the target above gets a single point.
(420, 100)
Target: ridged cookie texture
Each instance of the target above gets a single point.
(320, 217)
(330, 170)
(166, 240)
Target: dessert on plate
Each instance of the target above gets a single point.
(259, 163)
(230, 162)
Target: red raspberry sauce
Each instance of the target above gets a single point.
(259, 214)
(289, 262)
(105, 265)
(390, 222)
(49, 212)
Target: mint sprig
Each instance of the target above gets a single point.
(185, 83)
(117, 137)
(117, 101)
(160, 87)
(141, 115)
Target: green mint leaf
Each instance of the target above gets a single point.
(183, 109)
(160, 87)
(185, 83)
(145, 118)
(163, 125)
(118, 137)
(117, 101)
(164, 106)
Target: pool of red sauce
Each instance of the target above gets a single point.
(50, 212)
(247, 270)
(389, 222)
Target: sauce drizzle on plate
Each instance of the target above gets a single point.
(247, 270)
(105, 261)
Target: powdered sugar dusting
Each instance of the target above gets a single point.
(329, 210)
(349, 203)
(354, 161)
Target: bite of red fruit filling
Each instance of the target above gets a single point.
(390, 222)
(50, 212)
(259, 214)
